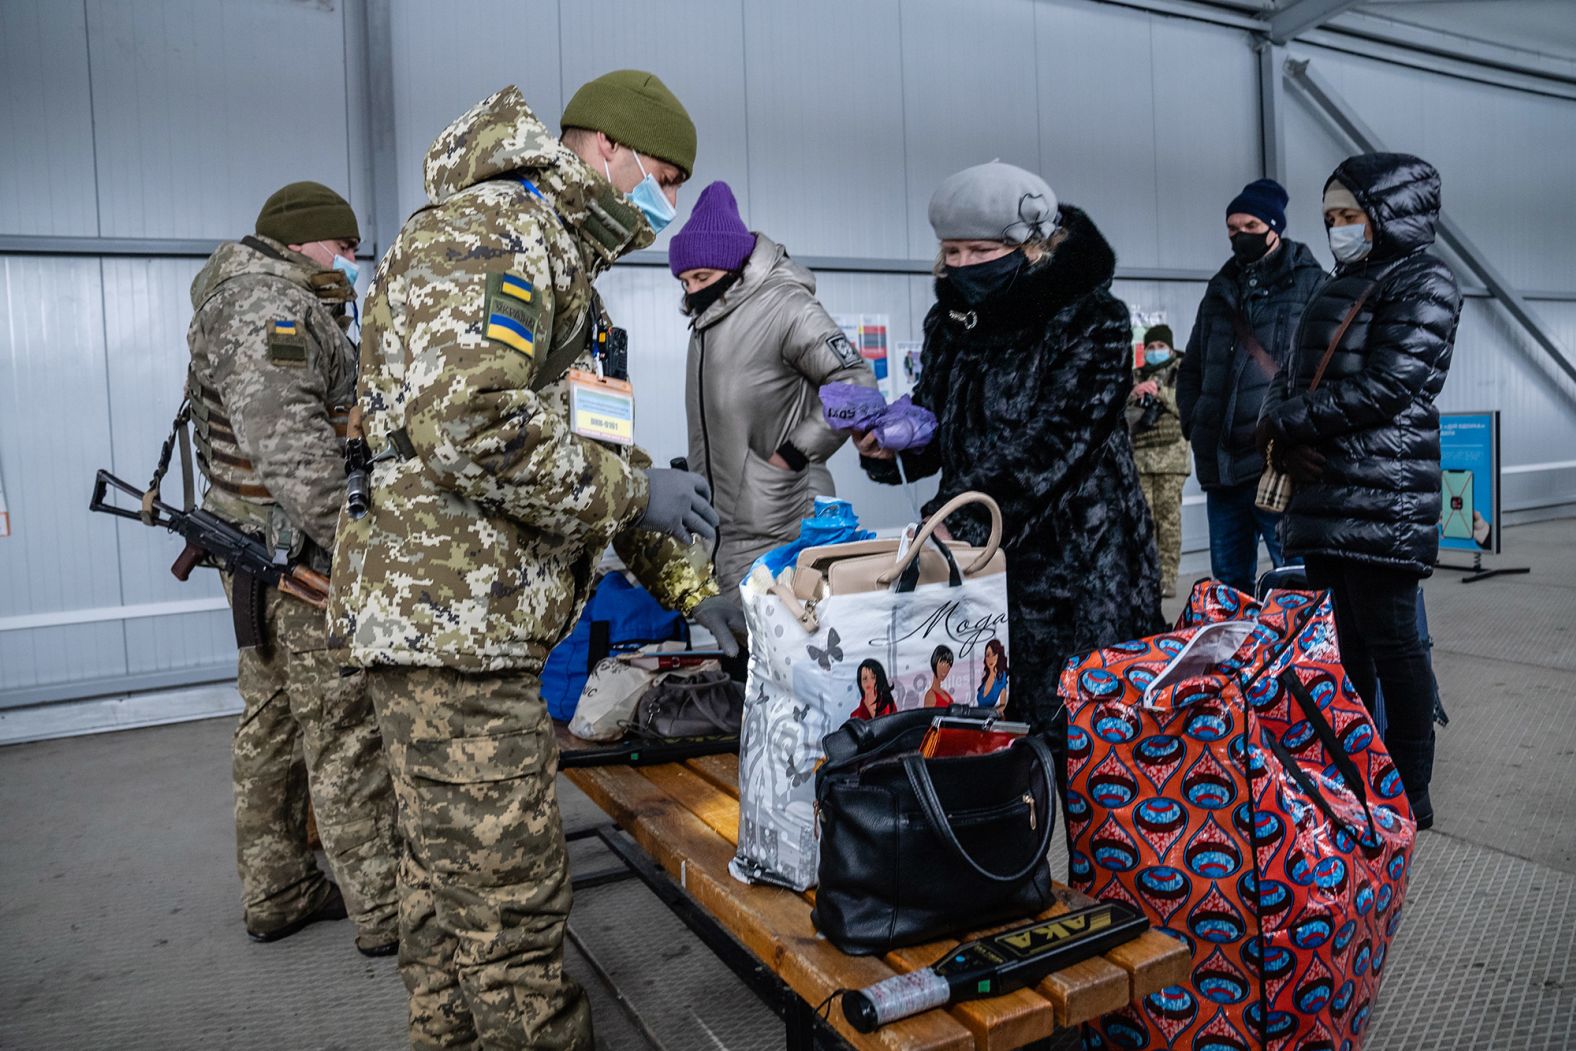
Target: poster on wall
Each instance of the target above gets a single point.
(907, 351)
(1469, 481)
(869, 334)
(1143, 321)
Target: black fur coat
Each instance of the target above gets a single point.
(1030, 389)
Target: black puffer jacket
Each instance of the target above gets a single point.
(1373, 416)
(1031, 391)
(1220, 387)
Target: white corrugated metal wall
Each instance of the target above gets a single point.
(171, 120)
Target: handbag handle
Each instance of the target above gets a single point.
(909, 580)
(936, 817)
(934, 522)
(1322, 729)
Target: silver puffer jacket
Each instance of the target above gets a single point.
(757, 359)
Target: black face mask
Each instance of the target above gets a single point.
(985, 281)
(1248, 249)
(695, 303)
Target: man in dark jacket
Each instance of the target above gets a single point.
(1240, 339)
(1363, 449)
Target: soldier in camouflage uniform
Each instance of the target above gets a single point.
(1159, 450)
(490, 509)
(271, 380)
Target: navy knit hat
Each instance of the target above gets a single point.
(1263, 199)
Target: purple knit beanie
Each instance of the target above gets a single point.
(714, 238)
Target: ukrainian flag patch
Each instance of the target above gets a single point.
(286, 343)
(512, 313)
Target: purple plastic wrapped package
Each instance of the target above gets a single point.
(849, 407)
(900, 426)
(904, 426)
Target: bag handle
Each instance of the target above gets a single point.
(1322, 729)
(1309, 787)
(934, 522)
(936, 817)
(1346, 323)
(909, 580)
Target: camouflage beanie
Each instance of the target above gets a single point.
(304, 212)
(637, 110)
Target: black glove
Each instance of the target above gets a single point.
(679, 505)
(1303, 462)
(724, 620)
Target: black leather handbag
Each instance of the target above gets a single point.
(915, 849)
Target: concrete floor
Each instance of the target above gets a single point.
(122, 927)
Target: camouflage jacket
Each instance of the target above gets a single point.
(271, 380)
(484, 530)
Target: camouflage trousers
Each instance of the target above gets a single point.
(1164, 495)
(484, 879)
(308, 728)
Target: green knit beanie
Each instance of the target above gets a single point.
(635, 109)
(304, 212)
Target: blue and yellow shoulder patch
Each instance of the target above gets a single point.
(286, 343)
(511, 313)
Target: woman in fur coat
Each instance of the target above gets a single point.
(1027, 364)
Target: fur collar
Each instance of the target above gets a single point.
(1082, 264)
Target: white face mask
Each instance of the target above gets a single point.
(1349, 243)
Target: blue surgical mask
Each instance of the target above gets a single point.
(351, 271)
(347, 267)
(648, 197)
(1158, 356)
(1349, 243)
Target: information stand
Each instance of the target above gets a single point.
(1469, 516)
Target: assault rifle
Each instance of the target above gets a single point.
(211, 538)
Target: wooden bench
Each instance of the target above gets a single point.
(685, 816)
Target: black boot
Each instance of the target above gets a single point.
(1414, 761)
(332, 907)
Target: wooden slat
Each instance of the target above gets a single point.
(772, 923)
(720, 770)
(1152, 960)
(1087, 989)
(998, 1023)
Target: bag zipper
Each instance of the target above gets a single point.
(1034, 823)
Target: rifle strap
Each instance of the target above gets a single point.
(180, 433)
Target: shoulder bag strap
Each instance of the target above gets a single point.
(936, 817)
(1340, 333)
(1250, 343)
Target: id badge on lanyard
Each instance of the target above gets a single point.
(601, 408)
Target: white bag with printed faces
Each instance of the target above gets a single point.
(857, 630)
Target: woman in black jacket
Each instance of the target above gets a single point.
(1028, 364)
(1363, 448)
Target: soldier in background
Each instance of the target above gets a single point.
(271, 380)
(1159, 450)
(494, 492)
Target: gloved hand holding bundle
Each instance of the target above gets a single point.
(900, 426)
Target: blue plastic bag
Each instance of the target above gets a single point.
(620, 616)
(832, 522)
